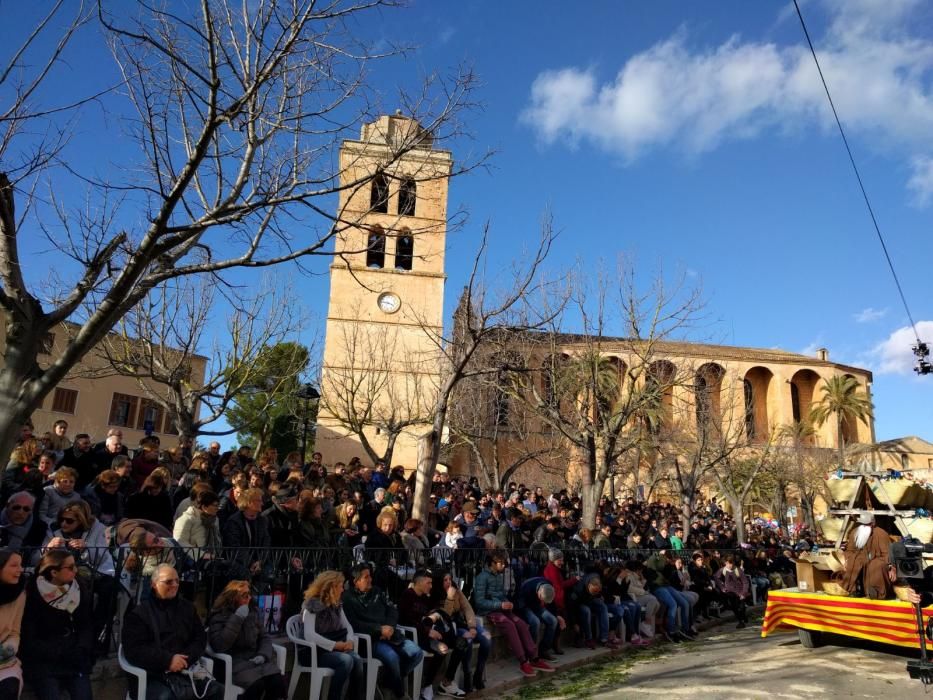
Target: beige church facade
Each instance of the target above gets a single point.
(384, 322)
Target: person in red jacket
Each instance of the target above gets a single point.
(554, 573)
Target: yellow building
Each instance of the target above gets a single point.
(93, 400)
(385, 314)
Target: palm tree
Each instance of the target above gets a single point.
(842, 398)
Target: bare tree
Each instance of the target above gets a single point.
(162, 338)
(485, 311)
(233, 113)
(737, 474)
(380, 384)
(596, 389)
(500, 435)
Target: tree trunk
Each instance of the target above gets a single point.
(428, 451)
(738, 514)
(390, 449)
(590, 496)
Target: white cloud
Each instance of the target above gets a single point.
(894, 355)
(921, 181)
(869, 315)
(676, 96)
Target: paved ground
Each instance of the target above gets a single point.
(726, 663)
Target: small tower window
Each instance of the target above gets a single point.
(407, 195)
(376, 249)
(404, 252)
(379, 195)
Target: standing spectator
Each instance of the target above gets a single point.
(58, 651)
(248, 531)
(677, 539)
(80, 458)
(145, 461)
(163, 634)
(332, 634)
(152, 501)
(12, 604)
(58, 494)
(370, 611)
(491, 602)
(59, 442)
(733, 585)
(198, 525)
(283, 517)
(371, 511)
(103, 456)
(234, 628)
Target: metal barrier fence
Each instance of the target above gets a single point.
(120, 576)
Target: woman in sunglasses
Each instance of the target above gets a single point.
(58, 651)
(86, 537)
(234, 627)
(12, 603)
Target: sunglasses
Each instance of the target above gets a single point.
(67, 521)
(25, 509)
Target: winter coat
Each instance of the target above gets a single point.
(242, 638)
(146, 506)
(96, 553)
(459, 608)
(528, 599)
(489, 592)
(561, 585)
(107, 508)
(157, 629)
(192, 530)
(57, 643)
(509, 538)
(368, 612)
(53, 502)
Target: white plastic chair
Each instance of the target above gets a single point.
(140, 673)
(231, 691)
(296, 636)
(418, 672)
(372, 663)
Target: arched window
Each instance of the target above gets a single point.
(749, 409)
(407, 195)
(404, 251)
(379, 195)
(376, 249)
(795, 402)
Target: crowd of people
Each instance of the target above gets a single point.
(82, 523)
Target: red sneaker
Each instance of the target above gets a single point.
(542, 665)
(527, 669)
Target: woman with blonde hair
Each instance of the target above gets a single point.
(59, 494)
(333, 635)
(234, 627)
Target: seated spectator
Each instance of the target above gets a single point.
(104, 497)
(145, 461)
(661, 577)
(282, 517)
(385, 549)
(198, 525)
(732, 584)
(20, 527)
(163, 635)
(103, 456)
(234, 627)
(12, 604)
(191, 498)
(535, 605)
(638, 589)
(370, 611)
(332, 634)
(586, 600)
(152, 501)
(436, 635)
(312, 529)
(492, 602)
(616, 587)
(554, 573)
(415, 541)
(702, 585)
(453, 602)
(348, 521)
(58, 651)
(59, 494)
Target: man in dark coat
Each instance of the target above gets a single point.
(282, 517)
(247, 530)
(80, 458)
(165, 635)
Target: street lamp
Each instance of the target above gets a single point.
(307, 393)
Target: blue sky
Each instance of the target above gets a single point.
(696, 136)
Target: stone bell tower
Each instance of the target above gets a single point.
(381, 364)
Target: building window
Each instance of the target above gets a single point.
(404, 252)
(46, 344)
(379, 195)
(64, 400)
(407, 195)
(376, 249)
(749, 409)
(149, 413)
(123, 410)
(905, 461)
(795, 402)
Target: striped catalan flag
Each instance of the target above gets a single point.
(884, 621)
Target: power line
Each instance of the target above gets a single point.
(858, 177)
